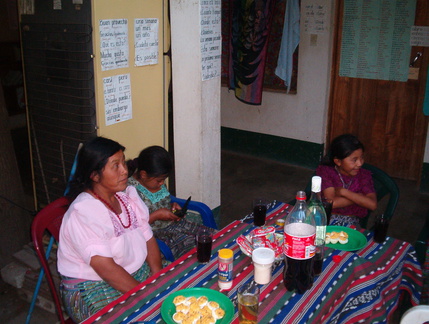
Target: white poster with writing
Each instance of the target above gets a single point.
(114, 44)
(419, 36)
(146, 41)
(315, 17)
(117, 98)
(210, 38)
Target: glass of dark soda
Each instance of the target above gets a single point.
(259, 211)
(327, 205)
(204, 245)
(380, 228)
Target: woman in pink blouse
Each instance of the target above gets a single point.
(350, 187)
(106, 244)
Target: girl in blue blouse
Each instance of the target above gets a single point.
(147, 174)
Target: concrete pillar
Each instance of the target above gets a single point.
(196, 110)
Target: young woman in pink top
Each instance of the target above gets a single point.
(106, 244)
(345, 182)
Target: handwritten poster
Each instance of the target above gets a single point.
(419, 36)
(114, 44)
(146, 41)
(315, 18)
(117, 99)
(376, 39)
(210, 38)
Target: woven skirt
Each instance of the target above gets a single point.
(82, 298)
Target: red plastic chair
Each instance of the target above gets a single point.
(50, 219)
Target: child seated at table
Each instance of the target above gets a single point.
(147, 173)
(346, 183)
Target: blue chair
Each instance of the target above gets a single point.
(204, 210)
(206, 215)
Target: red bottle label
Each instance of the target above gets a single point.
(299, 241)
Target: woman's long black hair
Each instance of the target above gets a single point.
(155, 160)
(341, 147)
(92, 157)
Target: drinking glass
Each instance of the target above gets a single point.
(248, 303)
(259, 211)
(380, 229)
(204, 245)
(327, 204)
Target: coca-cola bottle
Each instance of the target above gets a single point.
(316, 209)
(299, 248)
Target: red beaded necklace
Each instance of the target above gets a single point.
(111, 208)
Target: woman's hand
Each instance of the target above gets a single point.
(113, 273)
(175, 206)
(162, 214)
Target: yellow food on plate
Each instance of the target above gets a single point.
(202, 301)
(182, 308)
(213, 305)
(178, 317)
(219, 313)
(335, 237)
(196, 310)
(179, 299)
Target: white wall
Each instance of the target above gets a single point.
(196, 110)
(280, 113)
(302, 116)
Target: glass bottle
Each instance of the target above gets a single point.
(315, 207)
(299, 249)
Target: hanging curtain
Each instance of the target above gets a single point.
(250, 28)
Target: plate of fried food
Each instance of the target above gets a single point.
(344, 238)
(200, 305)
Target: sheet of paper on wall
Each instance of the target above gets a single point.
(117, 99)
(113, 44)
(146, 42)
(376, 39)
(419, 36)
(210, 38)
(315, 17)
(26, 7)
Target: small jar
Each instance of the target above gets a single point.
(280, 222)
(225, 267)
(263, 259)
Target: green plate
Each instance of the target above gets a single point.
(356, 239)
(168, 308)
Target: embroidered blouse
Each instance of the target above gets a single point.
(89, 228)
(360, 183)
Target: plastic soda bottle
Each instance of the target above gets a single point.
(299, 248)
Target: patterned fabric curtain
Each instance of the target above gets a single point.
(250, 29)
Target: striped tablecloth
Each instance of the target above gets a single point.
(357, 287)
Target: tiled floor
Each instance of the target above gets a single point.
(244, 178)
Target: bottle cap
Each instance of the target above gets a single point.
(263, 255)
(226, 253)
(316, 184)
(300, 195)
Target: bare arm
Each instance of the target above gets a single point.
(162, 214)
(343, 197)
(153, 258)
(113, 273)
(116, 276)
